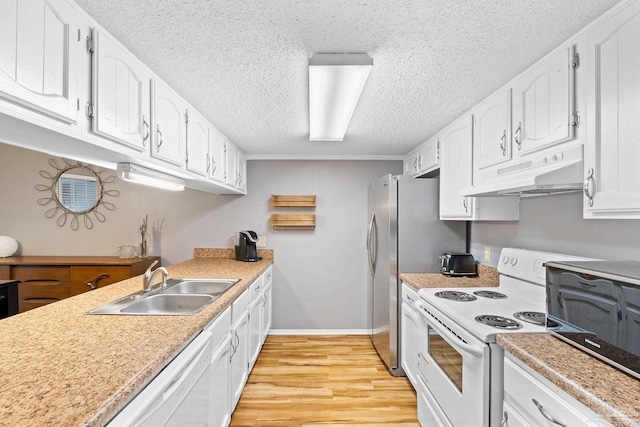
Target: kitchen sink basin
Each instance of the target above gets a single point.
(169, 304)
(179, 297)
(199, 286)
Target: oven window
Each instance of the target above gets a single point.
(449, 360)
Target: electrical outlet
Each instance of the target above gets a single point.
(487, 254)
(262, 241)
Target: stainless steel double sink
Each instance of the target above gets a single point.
(179, 297)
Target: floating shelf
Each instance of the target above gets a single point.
(280, 200)
(293, 221)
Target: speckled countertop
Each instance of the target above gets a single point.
(602, 388)
(487, 277)
(60, 367)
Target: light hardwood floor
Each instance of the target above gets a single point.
(324, 380)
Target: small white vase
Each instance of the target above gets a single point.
(8, 246)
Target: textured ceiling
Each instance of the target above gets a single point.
(243, 63)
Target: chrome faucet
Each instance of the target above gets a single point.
(150, 275)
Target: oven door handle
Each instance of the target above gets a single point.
(445, 332)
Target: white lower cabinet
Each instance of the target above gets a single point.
(266, 309)
(220, 378)
(255, 320)
(409, 333)
(531, 400)
(240, 346)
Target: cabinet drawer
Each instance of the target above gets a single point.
(240, 305)
(522, 391)
(5, 272)
(409, 296)
(257, 287)
(84, 278)
(219, 327)
(267, 276)
(41, 285)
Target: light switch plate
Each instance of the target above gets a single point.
(487, 254)
(262, 242)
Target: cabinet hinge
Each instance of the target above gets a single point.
(186, 158)
(79, 37)
(77, 104)
(186, 117)
(89, 110)
(575, 62)
(90, 45)
(575, 119)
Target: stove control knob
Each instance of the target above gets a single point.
(514, 261)
(505, 259)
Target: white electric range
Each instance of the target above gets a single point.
(460, 366)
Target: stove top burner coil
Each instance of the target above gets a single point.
(455, 296)
(498, 322)
(490, 294)
(535, 317)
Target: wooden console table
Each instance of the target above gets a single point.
(47, 279)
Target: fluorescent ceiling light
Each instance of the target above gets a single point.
(335, 84)
(141, 175)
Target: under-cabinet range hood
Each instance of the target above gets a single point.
(544, 174)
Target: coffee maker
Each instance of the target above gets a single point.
(246, 246)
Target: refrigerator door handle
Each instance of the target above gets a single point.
(372, 243)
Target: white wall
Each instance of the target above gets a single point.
(555, 224)
(319, 276)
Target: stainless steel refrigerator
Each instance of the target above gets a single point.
(404, 235)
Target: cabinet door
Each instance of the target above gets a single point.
(408, 348)
(612, 151)
(266, 312)
(168, 135)
(198, 144)
(39, 56)
(217, 156)
(231, 161)
(428, 155)
(492, 131)
(120, 92)
(220, 393)
(242, 172)
(240, 357)
(456, 169)
(411, 163)
(543, 104)
(255, 328)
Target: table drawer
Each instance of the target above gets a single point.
(41, 285)
(86, 278)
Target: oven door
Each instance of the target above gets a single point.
(454, 365)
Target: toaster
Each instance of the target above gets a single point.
(458, 264)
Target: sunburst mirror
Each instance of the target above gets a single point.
(77, 192)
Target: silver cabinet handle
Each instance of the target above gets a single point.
(503, 143)
(415, 165)
(517, 135)
(589, 186)
(420, 162)
(215, 165)
(547, 416)
(208, 163)
(505, 419)
(146, 131)
(464, 203)
(159, 144)
(93, 284)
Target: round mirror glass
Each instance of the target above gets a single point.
(78, 189)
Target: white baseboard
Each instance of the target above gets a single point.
(318, 332)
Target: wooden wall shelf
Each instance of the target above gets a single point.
(293, 221)
(304, 201)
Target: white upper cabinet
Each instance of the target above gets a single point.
(456, 142)
(168, 124)
(198, 144)
(217, 156)
(543, 104)
(120, 94)
(39, 52)
(456, 169)
(612, 154)
(241, 182)
(423, 159)
(231, 161)
(492, 130)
